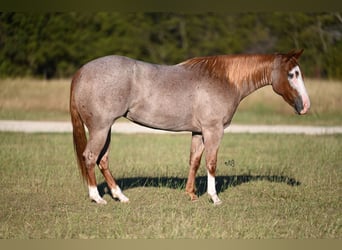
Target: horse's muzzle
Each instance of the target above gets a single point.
(302, 105)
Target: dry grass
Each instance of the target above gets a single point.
(34, 99)
(31, 99)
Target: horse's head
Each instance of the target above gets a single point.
(288, 81)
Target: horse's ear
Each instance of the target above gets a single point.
(293, 53)
(298, 53)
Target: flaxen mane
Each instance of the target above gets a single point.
(234, 69)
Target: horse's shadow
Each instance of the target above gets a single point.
(222, 182)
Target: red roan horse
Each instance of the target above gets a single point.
(199, 95)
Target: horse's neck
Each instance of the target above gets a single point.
(256, 73)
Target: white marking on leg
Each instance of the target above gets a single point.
(212, 189)
(95, 196)
(117, 193)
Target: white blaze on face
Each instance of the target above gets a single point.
(296, 81)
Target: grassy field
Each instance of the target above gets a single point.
(31, 99)
(281, 186)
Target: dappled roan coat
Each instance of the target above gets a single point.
(199, 95)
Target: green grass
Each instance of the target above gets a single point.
(31, 99)
(281, 186)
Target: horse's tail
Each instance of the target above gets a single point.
(79, 134)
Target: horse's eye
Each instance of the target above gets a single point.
(290, 75)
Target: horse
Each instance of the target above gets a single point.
(199, 95)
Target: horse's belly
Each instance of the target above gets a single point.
(162, 119)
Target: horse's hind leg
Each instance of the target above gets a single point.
(104, 167)
(97, 139)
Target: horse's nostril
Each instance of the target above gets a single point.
(305, 109)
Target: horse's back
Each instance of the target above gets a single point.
(108, 68)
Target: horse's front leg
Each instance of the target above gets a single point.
(212, 139)
(196, 152)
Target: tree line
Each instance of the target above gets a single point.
(55, 45)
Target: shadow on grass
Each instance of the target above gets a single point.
(222, 182)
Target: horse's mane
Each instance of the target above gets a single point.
(232, 68)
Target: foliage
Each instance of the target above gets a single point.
(56, 44)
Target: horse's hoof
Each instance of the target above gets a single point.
(99, 201)
(102, 202)
(216, 200)
(117, 194)
(217, 203)
(121, 197)
(124, 199)
(193, 197)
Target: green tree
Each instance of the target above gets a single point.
(57, 44)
